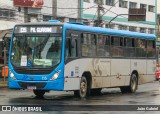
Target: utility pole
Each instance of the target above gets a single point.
(99, 18)
(79, 11)
(54, 9)
(26, 18)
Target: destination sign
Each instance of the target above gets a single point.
(38, 29)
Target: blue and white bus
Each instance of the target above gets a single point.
(59, 56)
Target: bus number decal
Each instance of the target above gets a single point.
(44, 78)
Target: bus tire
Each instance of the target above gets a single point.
(39, 93)
(133, 83)
(84, 88)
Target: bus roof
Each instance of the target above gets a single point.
(109, 31)
(95, 29)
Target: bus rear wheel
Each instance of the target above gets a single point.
(39, 93)
(133, 85)
(84, 88)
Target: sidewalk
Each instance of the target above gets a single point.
(3, 83)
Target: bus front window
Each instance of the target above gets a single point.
(36, 51)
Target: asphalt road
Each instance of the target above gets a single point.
(146, 95)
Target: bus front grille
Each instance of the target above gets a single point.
(25, 85)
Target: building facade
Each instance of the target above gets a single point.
(82, 10)
(112, 8)
(158, 20)
(11, 14)
(158, 6)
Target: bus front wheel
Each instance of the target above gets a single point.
(39, 93)
(84, 88)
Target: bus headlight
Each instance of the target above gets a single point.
(12, 75)
(55, 76)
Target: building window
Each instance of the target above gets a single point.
(122, 27)
(46, 17)
(96, 2)
(87, 1)
(132, 5)
(7, 13)
(143, 6)
(143, 30)
(110, 2)
(151, 8)
(132, 28)
(123, 4)
(151, 31)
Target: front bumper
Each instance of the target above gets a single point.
(41, 85)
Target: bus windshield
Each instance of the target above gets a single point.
(36, 51)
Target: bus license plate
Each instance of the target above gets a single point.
(31, 87)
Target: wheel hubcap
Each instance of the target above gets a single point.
(83, 87)
(133, 84)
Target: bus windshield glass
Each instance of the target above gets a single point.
(36, 51)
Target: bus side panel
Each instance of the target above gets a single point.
(72, 75)
(101, 72)
(139, 65)
(151, 69)
(99, 69)
(120, 70)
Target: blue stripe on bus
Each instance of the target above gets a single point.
(109, 31)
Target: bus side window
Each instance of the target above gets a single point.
(117, 46)
(151, 48)
(71, 47)
(141, 48)
(107, 46)
(129, 47)
(93, 40)
(84, 44)
(101, 46)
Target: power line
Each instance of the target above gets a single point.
(110, 8)
(82, 10)
(62, 8)
(94, 17)
(71, 13)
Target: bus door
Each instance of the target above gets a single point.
(71, 73)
